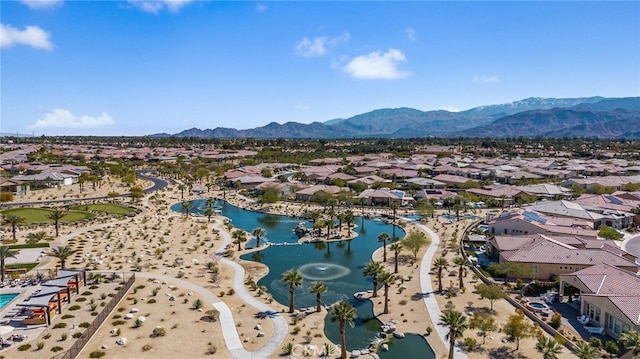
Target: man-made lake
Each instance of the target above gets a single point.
(339, 264)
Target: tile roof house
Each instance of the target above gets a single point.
(549, 257)
(526, 221)
(609, 297)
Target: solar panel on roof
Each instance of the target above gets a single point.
(613, 199)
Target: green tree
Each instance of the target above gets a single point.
(386, 279)
(136, 192)
(490, 291)
(239, 237)
(186, 207)
(258, 233)
(293, 278)
(456, 322)
(577, 190)
(383, 237)
(484, 323)
(396, 248)
(414, 241)
(631, 341)
(518, 327)
(461, 263)
(511, 270)
(6, 196)
(270, 195)
(586, 351)
(318, 288)
(609, 233)
(62, 253)
(56, 215)
(373, 270)
(440, 264)
(343, 313)
(548, 347)
(13, 221)
(5, 252)
(457, 208)
(209, 212)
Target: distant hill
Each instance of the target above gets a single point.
(580, 117)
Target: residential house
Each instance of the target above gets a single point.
(525, 221)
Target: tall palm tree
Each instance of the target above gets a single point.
(457, 208)
(5, 253)
(13, 221)
(209, 212)
(56, 215)
(461, 263)
(294, 279)
(396, 248)
(239, 236)
(186, 206)
(383, 237)
(318, 288)
(548, 347)
(258, 233)
(349, 217)
(62, 253)
(440, 264)
(182, 187)
(373, 269)
(631, 340)
(343, 313)
(585, 350)
(210, 202)
(386, 279)
(456, 323)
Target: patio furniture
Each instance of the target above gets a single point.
(583, 319)
(594, 330)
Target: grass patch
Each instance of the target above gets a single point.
(26, 246)
(27, 266)
(105, 208)
(39, 215)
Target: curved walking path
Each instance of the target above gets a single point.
(427, 289)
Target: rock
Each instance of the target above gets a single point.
(103, 347)
(257, 327)
(134, 310)
(121, 341)
(172, 298)
(128, 316)
(384, 347)
(355, 353)
(260, 334)
(398, 335)
(142, 318)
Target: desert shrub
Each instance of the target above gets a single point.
(87, 293)
(118, 322)
(151, 301)
(56, 349)
(556, 320)
(39, 345)
(81, 299)
(24, 347)
(158, 332)
(74, 307)
(60, 325)
(68, 316)
(97, 354)
(77, 335)
(470, 343)
(64, 337)
(146, 347)
(84, 325)
(611, 347)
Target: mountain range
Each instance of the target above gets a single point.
(598, 117)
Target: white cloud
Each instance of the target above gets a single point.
(486, 79)
(377, 65)
(261, 8)
(155, 6)
(411, 34)
(61, 118)
(31, 35)
(320, 45)
(41, 4)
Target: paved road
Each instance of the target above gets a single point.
(632, 245)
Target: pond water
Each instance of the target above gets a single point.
(339, 264)
(452, 217)
(407, 347)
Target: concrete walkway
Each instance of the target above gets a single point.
(428, 292)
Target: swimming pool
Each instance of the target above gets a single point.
(6, 299)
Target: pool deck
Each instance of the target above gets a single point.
(11, 315)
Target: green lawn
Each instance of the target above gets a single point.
(27, 266)
(39, 215)
(105, 208)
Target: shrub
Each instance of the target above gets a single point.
(611, 347)
(84, 325)
(24, 347)
(46, 336)
(64, 337)
(556, 320)
(158, 332)
(81, 299)
(595, 342)
(151, 301)
(77, 335)
(118, 322)
(197, 304)
(146, 347)
(40, 345)
(87, 293)
(429, 330)
(97, 354)
(56, 349)
(470, 343)
(74, 307)
(231, 291)
(68, 316)
(60, 325)
(403, 302)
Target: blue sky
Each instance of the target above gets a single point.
(143, 67)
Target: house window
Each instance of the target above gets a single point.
(535, 269)
(593, 312)
(614, 324)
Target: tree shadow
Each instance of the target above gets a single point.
(505, 352)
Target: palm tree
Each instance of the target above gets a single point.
(440, 264)
(258, 232)
(318, 288)
(461, 263)
(457, 208)
(5, 252)
(585, 350)
(387, 279)
(62, 253)
(210, 202)
(457, 324)
(239, 236)
(383, 237)
(373, 269)
(396, 248)
(343, 313)
(293, 279)
(349, 217)
(182, 187)
(186, 206)
(631, 340)
(56, 215)
(209, 212)
(548, 347)
(13, 221)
